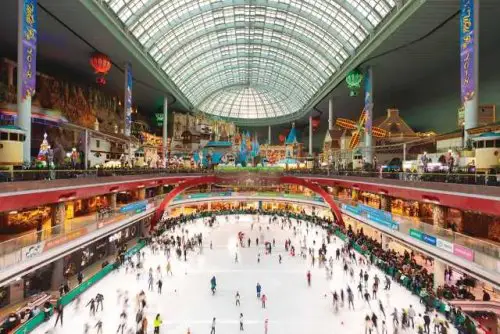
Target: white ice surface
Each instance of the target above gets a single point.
(187, 302)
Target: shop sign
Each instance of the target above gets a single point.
(416, 234)
(387, 223)
(431, 240)
(445, 245)
(351, 209)
(136, 206)
(375, 212)
(64, 239)
(115, 237)
(463, 252)
(32, 251)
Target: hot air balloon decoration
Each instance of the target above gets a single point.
(101, 64)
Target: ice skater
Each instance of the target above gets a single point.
(212, 331)
(98, 325)
(123, 322)
(60, 313)
(241, 322)
(91, 303)
(308, 278)
(99, 299)
(237, 298)
(159, 285)
(381, 307)
(169, 269)
(263, 300)
(213, 285)
(259, 289)
(157, 323)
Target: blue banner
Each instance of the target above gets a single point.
(375, 212)
(380, 220)
(429, 239)
(368, 100)
(29, 41)
(468, 85)
(128, 100)
(136, 207)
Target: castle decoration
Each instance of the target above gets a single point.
(45, 154)
(357, 129)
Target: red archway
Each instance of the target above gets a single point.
(210, 179)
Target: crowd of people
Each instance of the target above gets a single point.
(401, 268)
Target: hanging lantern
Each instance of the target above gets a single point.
(101, 65)
(353, 80)
(282, 138)
(315, 123)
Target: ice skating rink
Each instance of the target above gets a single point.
(187, 301)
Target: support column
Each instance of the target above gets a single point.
(141, 193)
(310, 136)
(369, 115)
(336, 190)
(161, 190)
(460, 222)
(112, 201)
(10, 74)
(57, 274)
(330, 113)
(439, 214)
(439, 268)
(355, 195)
(86, 149)
(165, 130)
(385, 203)
(469, 63)
(58, 217)
(269, 139)
(385, 240)
(26, 68)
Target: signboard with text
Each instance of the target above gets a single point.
(29, 43)
(467, 40)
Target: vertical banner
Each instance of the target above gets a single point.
(467, 41)
(128, 100)
(368, 100)
(29, 39)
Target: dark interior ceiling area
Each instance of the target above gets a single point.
(421, 51)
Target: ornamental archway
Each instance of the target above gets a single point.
(212, 179)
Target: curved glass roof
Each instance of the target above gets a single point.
(250, 58)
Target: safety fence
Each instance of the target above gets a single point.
(40, 318)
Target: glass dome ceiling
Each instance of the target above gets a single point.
(250, 58)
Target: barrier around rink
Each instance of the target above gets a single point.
(33, 323)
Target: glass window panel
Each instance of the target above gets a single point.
(271, 67)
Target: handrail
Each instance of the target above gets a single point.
(492, 306)
(19, 249)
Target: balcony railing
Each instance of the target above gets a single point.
(46, 174)
(31, 244)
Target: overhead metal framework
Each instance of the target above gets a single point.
(250, 58)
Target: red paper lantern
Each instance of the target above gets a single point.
(282, 138)
(315, 122)
(101, 65)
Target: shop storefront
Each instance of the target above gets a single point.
(370, 199)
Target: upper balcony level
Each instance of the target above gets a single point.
(460, 191)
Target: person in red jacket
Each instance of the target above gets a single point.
(263, 299)
(309, 277)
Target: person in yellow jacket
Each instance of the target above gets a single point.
(157, 323)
